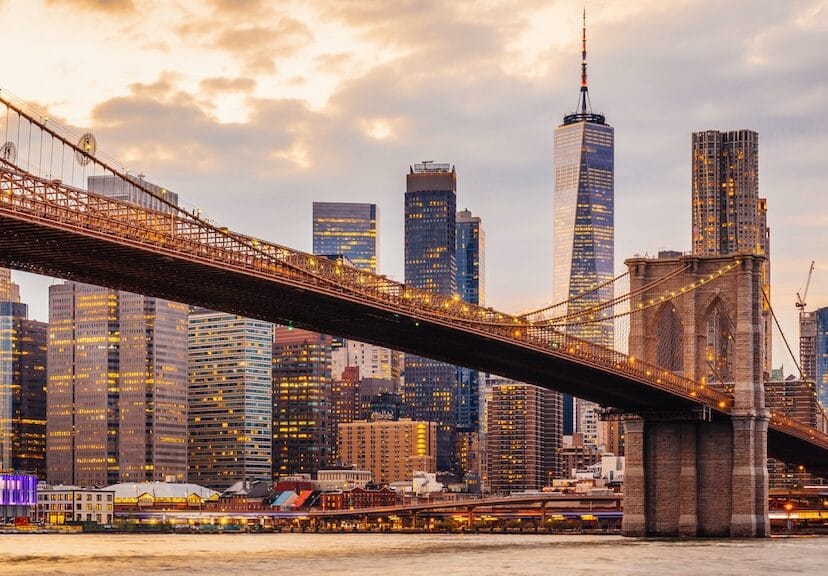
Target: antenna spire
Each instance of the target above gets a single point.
(583, 111)
(583, 99)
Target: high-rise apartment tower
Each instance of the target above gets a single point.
(729, 217)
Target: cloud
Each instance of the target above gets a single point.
(335, 64)
(106, 6)
(212, 86)
(257, 47)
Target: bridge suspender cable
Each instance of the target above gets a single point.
(802, 376)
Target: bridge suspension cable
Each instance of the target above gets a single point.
(579, 296)
(588, 316)
(83, 152)
(802, 375)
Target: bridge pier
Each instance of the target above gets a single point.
(691, 479)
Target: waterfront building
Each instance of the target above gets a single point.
(18, 496)
(22, 384)
(577, 455)
(584, 227)
(430, 387)
(391, 449)
(116, 393)
(356, 498)
(729, 217)
(301, 401)
(155, 496)
(342, 479)
(523, 437)
(230, 398)
(64, 504)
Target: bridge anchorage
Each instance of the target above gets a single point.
(690, 389)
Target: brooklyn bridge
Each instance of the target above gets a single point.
(696, 452)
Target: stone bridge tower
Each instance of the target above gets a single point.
(697, 474)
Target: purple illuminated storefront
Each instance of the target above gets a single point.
(18, 495)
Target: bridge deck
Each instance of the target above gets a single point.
(51, 229)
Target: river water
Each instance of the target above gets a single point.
(403, 555)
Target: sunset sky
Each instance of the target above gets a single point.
(251, 110)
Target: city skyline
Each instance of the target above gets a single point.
(191, 121)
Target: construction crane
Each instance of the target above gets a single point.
(800, 300)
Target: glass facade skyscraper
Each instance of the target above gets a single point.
(584, 227)
(302, 436)
(230, 398)
(813, 350)
(471, 258)
(471, 286)
(430, 228)
(22, 384)
(117, 381)
(349, 229)
(430, 388)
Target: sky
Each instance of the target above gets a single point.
(252, 110)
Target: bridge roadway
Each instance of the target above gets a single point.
(49, 228)
(543, 499)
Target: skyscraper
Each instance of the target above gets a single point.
(302, 437)
(430, 228)
(807, 344)
(813, 350)
(117, 374)
(230, 398)
(349, 229)
(523, 437)
(22, 384)
(430, 389)
(584, 229)
(471, 286)
(728, 215)
(471, 258)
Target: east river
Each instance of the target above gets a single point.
(403, 555)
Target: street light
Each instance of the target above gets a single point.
(788, 507)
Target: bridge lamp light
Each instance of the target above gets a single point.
(722, 404)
